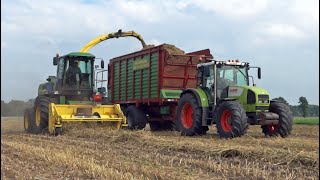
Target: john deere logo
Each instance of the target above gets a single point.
(140, 64)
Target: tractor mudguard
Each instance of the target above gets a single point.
(202, 100)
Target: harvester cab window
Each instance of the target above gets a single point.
(85, 67)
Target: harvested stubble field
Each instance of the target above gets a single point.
(95, 152)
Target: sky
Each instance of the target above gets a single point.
(281, 37)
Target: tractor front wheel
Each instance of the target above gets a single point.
(284, 126)
(231, 119)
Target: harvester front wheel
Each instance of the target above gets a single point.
(188, 119)
(41, 113)
(231, 119)
(284, 126)
(27, 120)
(136, 118)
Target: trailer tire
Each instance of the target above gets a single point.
(136, 118)
(161, 125)
(284, 127)
(231, 119)
(189, 113)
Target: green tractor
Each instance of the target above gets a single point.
(224, 97)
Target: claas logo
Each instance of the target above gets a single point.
(233, 90)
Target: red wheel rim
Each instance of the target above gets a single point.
(226, 121)
(272, 128)
(186, 115)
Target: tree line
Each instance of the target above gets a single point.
(303, 109)
(17, 107)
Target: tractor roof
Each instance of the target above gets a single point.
(79, 54)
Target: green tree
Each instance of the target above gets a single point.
(304, 106)
(281, 99)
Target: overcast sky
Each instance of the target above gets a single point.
(282, 37)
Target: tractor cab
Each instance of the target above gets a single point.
(222, 79)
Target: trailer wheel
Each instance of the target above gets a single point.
(284, 127)
(41, 114)
(160, 125)
(136, 118)
(231, 119)
(27, 120)
(188, 119)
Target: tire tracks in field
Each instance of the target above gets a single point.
(181, 162)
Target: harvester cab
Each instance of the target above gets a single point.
(224, 97)
(75, 75)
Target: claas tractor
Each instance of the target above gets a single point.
(70, 96)
(224, 97)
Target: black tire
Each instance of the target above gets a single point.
(27, 120)
(161, 125)
(136, 118)
(204, 130)
(189, 114)
(154, 125)
(41, 114)
(284, 127)
(58, 131)
(231, 119)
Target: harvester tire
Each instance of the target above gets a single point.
(27, 120)
(58, 131)
(41, 113)
(231, 119)
(136, 118)
(189, 116)
(284, 127)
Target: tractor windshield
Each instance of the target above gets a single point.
(231, 75)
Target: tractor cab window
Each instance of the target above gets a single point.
(231, 75)
(210, 79)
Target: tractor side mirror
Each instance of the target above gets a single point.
(206, 71)
(259, 73)
(55, 61)
(102, 64)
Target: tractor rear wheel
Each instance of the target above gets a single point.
(189, 116)
(136, 118)
(27, 120)
(231, 119)
(41, 114)
(284, 127)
